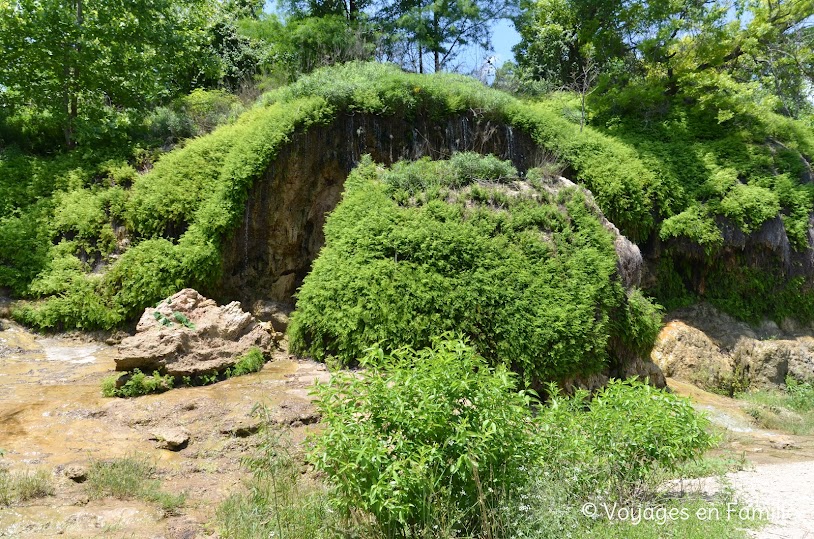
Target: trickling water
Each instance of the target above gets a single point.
(246, 233)
(510, 144)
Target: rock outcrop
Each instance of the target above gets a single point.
(190, 335)
(281, 234)
(710, 349)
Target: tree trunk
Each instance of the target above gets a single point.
(436, 34)
(71, 73)
(420, 59)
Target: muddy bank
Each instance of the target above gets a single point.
(52, 415)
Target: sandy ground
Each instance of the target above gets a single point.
(779, 484)
(52, 416)
(785, 493)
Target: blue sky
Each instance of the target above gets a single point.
(504, 37)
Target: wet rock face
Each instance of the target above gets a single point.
(271, 251)
(767, 249)
(189, 335)
(705, 347)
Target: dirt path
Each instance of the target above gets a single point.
(52, 416)
(780, 483)
(785, 493)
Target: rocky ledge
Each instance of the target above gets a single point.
(705, 347)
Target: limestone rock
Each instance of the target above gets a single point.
(276, 313)
(687, 353)
(188, 335)
(705, 347)
(75, 472)
(173, 439)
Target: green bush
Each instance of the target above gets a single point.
(419, 437)
(531, 283)
(613, 443)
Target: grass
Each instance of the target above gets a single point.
(276, 501)
(131, 477)
(26, 485)
(789, 410)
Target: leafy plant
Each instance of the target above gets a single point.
(138, 384)
(614, 442)
(418, 432)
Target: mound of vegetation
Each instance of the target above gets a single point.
(98, 241)
(523, 269)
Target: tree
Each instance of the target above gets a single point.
(438, 28)
(70, 56)
(702, 49)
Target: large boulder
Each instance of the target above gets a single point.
(190, 335)
(688, 354)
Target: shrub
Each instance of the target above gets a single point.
(613, 443)
(531, 283)
(419, 436)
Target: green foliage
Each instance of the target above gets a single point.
(106, 56)
(530, 284)
(801, 394)
(620, 437)
(639, 325)
(130, 477)
(435, 442)
(302, 44)
(750, 206)
(790, 410)
(695, 224)
(251, 361)
(621, 183)
(138, 384)
(421, 431)
(671, 174)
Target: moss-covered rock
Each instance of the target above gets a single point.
(526, 270)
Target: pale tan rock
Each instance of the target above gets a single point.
(189, 335)
(705, 347)
(173, 439)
